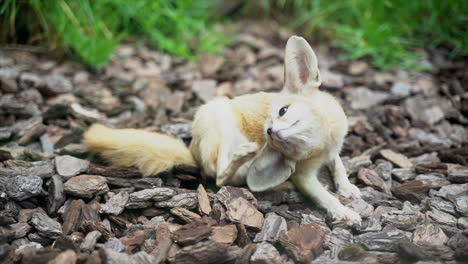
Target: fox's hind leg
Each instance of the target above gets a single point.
(234, 148)
(239, 157)
(218, 145)
(342, 184)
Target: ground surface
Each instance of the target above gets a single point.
(406, 150)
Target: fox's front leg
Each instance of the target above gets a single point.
(340, 178)
(306, 180)
(230, 161)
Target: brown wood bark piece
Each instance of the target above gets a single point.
(184, 215)
(86, 186)
(247, 252)
(233, 253)
(227, 193)
(398, 159)
(89, 226)
(56, 195)
(8, 217)
(273, 226)
(204, 206)
(457, 173)
(116, 204)
(117, 172)
(72, 217)
(192, 233)
(303, 243)
(186, 200)
(266, 253)
(240, 210)
(204, 252)
(119, 221)
(32, 131)
(133, 241)
(94, 258)
(163, 243)
(219, 212)
(41, 257)
(143, 183)
(224, 234)
(413, 191)
(66, 257)
(243, 238)
(89, 242)
(90, 212)
(240, 206)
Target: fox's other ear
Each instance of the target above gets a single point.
(268, 170)
(301, 73)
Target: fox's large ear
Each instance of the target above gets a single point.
(301, 73)
(269, 169)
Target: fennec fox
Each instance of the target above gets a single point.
(260, 139)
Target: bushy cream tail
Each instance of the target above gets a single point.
(150, 152)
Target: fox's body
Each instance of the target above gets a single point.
(230, 123)
(224, 124)
(260, 139)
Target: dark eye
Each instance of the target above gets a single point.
(283, 110)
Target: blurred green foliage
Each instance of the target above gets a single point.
(386, 31)
(90, 30)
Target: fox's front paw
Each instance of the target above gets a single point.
(347, 216)
(349, 191)
(245, 151)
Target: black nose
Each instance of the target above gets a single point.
(269, 131)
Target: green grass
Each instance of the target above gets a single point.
(90, 29)
(387, 32)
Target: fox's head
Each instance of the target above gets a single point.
(299, 122)
(303, 123)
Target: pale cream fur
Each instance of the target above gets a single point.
(151, 153)
(230, 141)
